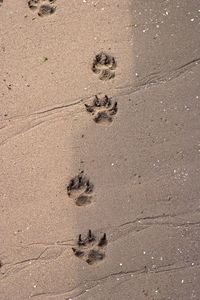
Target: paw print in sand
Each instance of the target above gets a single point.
(80, 189)
(42, 7)
(102, 109)
(90, 249)
(104, 65)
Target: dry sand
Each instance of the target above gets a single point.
(140, 159)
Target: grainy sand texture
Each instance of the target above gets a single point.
(99, 149)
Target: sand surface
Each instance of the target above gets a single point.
(137, 144)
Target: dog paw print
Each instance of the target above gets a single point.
(90, 249)
(104, 65)
(42, 7)
(80, 189)
(102, 109)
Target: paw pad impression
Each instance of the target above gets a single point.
(80, 189)
(43, 7)
(104, 64)
(102, 109)
(90, 249)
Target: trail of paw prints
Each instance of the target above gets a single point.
(80, 189)
(90, 249)
(42, 7)
(102, 109)
(104, 65)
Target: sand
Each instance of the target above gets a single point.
(100, 131)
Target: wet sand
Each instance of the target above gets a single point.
(136, 143)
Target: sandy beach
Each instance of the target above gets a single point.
(100, 150)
